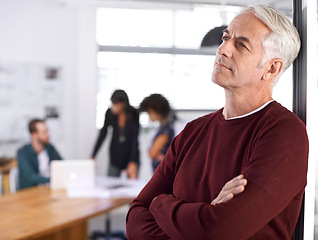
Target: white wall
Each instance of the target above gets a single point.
(52, 33)
(86, 82)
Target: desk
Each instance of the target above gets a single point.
(41, 214)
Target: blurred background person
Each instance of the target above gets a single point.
(34, 158)
(158, 108)
(124, 150)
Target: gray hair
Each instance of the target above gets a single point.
(283, 42)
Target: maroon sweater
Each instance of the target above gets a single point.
(269, 147)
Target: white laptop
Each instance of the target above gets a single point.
(72, 174)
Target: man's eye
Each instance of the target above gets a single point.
(225, 38)
(242, 45)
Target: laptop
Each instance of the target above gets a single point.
(72, 174)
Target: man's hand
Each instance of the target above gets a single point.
(230, 189)
(132, 170)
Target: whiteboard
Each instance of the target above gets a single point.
(28, 90)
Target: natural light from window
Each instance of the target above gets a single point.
(183, 78)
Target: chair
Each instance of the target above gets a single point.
(6, 165)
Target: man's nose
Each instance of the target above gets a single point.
(226, 49)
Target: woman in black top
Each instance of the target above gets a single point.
(123, 120)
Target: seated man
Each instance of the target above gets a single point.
(34, 158)
(238, 173)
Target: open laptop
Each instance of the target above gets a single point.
(72, 174)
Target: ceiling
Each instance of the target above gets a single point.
(276, 3)
(282, 5)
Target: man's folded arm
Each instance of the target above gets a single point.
(140, 223)
(276, 174)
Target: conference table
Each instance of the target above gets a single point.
(44, 214)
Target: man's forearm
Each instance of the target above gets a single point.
(182, 220)
(140, 224)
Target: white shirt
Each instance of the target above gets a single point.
(44, 161)
(250, 113)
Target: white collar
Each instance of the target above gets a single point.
(250, 113)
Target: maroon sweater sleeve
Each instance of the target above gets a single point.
(140, 223)
(276, 174)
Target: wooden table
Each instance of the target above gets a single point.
(39, 213)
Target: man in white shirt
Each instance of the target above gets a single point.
(34, 158)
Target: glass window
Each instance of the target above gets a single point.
(185, 79)
(130, 27)
(158, 28)
(191, 26)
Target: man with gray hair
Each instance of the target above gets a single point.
(238, 173)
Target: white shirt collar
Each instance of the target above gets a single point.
(250, 113)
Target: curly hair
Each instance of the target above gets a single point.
(157, 103)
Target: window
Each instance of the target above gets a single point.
(147, 51)
(127, 27)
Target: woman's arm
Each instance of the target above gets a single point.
(102, 133)
(157, 146)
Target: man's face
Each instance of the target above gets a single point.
(237, 62)
(42, 133)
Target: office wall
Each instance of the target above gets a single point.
(54, 34)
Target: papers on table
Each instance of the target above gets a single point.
(109, 187)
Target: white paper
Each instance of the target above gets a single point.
(109, 187)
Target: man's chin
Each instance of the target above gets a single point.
(216, 80)
(45, 143)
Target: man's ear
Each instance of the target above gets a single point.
(272, 69)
